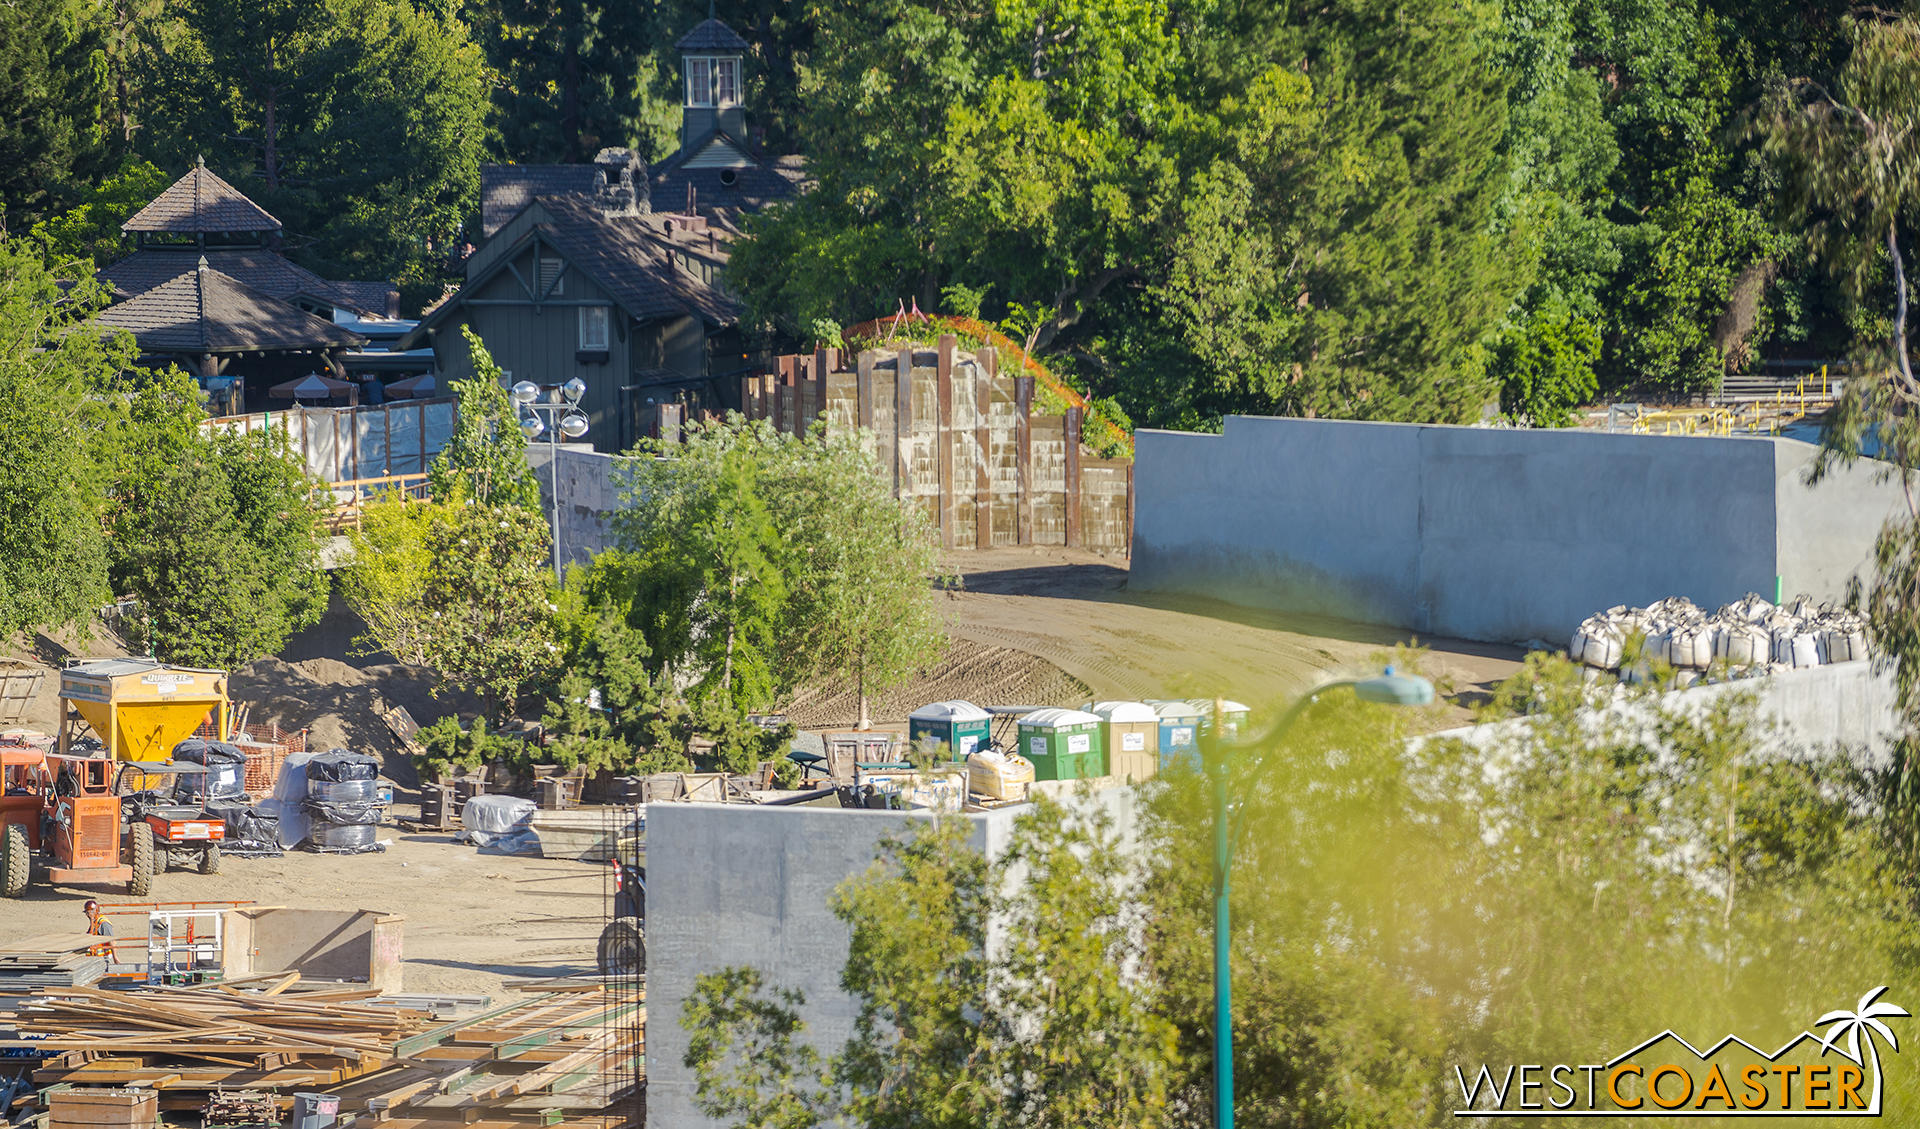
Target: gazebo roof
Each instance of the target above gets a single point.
(201, 202)
(204, 311)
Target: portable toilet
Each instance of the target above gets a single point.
(1233, 717)
(1131, 735)
(961, 726)
(1179, 731)
(1063, 744)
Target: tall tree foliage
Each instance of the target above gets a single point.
(53, 89)
(358, 123)
(485, 460)
(215, 534)
(54, 374)
(579, 75)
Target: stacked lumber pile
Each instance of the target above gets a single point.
(572, 1059)
(50, 960)
(185, 1042)
(569, 1058)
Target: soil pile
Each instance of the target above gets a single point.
(340, 706)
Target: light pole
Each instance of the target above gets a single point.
(561, 400)
(1388, 689)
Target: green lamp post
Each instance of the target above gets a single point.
(1388, 689)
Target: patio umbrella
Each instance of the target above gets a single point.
(420, 386)
(311, 387)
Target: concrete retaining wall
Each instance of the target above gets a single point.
(731, 884)
(1491, 534)
(1849, 708)
(590, 487)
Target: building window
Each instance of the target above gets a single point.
(551, 284)
(699, 82)
(593, 329)
(726, 75)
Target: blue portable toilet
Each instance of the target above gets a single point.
(1233, 717)
(1179, 732)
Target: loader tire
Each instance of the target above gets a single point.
(16, 862)
(141, 884)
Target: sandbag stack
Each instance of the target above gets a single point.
(1750, 636)
(343, 801)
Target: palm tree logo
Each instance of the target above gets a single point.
(1865, 1018)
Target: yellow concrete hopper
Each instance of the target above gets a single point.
(141, 708)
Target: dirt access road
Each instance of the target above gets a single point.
(1072, 611)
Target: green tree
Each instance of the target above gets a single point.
(215, 533)
(1041, 1028)
(90, 230)
(53, 88)
(1546, 366)
(579, 75)
(1849, 155)
(54, 379)
(862, 601)
(358, 123)
(738, 551)
(485, 459)
(611, 710)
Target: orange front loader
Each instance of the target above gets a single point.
(87, 846)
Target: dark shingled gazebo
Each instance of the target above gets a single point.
(200, 203)
(209, 318)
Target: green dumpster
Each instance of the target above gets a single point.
(1063, 744)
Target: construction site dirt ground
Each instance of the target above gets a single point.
(1033, 626)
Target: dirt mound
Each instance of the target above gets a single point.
(340, 706)
(982, 674)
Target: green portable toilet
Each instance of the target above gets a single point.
(1063, 744)
(1130, 733)
(1179, 732)
(962, 726)
(1233, 717)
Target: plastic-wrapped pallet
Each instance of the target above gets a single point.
(488, 818)
(342, 800)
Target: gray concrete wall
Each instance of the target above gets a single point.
(590, 487)
(1481, 533)
(730, 884)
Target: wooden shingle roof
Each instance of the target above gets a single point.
(204, 311)
(201, 202)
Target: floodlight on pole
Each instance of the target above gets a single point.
(1387, 689)
(559, 405)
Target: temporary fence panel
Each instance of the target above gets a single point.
(349, 444)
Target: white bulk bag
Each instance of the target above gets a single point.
(1601, 648)
(1742, 644)
(1691, 648)
(1802, 650)
(1846, 643)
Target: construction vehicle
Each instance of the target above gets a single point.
(139, 709)
(622, 951)
(88, 845)
(151, 794)
(22, 808)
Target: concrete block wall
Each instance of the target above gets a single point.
(590, 487)
(1491, 534)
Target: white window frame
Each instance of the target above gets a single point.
(589, 316)
(713, 80)
(699, 90)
